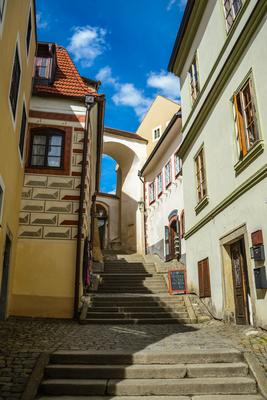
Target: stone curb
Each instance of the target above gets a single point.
(257, 372)
(36, 377)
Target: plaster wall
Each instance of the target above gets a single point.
(13, 29)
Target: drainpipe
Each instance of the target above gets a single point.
(144, 212)
(89, 101)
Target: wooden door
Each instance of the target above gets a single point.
(239, 269)
(5, 276)
(173, 234)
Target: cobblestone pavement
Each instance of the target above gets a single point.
(22, 340)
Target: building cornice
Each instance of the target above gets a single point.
(191, 19)
(231, 198)
(231, 62)
(129, 135)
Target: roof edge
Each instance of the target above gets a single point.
(127, 134)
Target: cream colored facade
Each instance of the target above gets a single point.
(13, 34)
(156, 120)
(235, 204)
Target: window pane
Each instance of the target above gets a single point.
(53, 161)
(15, 80)
(22, 131)
(38, 161)
(1, 199)
(39, 139)
(55, 140)
(38, 150)
(2, 4)
(237, 4)
(54, 151)
(29, 31)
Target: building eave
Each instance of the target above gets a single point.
(191, 19)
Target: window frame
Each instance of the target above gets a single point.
(204, 278)
(153, 133)
(24, 112)
(240, 118)
(193, 83)
(159, 192)
(233, 14)
(49, 134)
(2, 18)
(180, 162)
(2, 199)
(14, 113)
(199, 200)
(151, 185)
(165, 168)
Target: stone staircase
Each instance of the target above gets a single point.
(132, 292)
(181, 375)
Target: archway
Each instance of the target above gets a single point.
(102, 219)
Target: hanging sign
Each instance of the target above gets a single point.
(177, 282)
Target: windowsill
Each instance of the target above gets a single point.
(202, 204)
(253, 153)
(47, 171)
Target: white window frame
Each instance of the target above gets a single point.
(180, 165)
(159, 192)
(3, 18)
(169, 163)
(194, 83)
(2, 185)
(234, 15)
(17, 46)
(153, 133)
(22, 157)
(150, 185)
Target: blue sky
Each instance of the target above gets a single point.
(124, 43)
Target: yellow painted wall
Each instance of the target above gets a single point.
(44, 288)
(160, 113)
(14, 29)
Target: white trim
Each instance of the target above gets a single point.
(153, 133)
(3, 19)
(17, 46)
(2, 185)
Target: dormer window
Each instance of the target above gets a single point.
(45, 64)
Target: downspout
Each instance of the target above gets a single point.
(80, 215)
(144, 213)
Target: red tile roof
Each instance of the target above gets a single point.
(67, 82)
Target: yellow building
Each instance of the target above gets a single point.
(17, 49)
(62, 165)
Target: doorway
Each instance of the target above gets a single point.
(173, 235)
(5, 278)
(240, 281)
(102, 224)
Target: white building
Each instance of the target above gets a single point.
(220, 55)
(163, 186)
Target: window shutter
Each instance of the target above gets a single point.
(200, 279)
(240, 125)
(206, 278)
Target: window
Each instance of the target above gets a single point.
(178, 165)
(168, 175)
(159, 184)
(204, 278)
(22, 131)
(1, 198)
(15, 81)
(194, 79)
(231, 9)
(29, 32)
(151, 192)
(2, 5)
(47, 149)
(156, 133)
(43, 69)
(245, 118)
(201, 175)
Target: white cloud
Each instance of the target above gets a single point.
(40, 21)
(180, 3)
(129, 95)
(87, 43)
(166, 83)
(105, 76)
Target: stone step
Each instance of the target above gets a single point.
(126, 387)
(131, 290)
(92, 314)
(169, 371)
(131, 278)
(130, 287)
(135, 321)
(140, 308)
(205, 397)
(98, 357)
(139, 299)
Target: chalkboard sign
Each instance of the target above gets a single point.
(177, 282)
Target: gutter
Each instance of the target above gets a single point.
(160, 141)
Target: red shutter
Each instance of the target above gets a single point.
(240, 125)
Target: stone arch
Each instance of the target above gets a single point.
(129, 151)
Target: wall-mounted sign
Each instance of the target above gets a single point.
(177, 282)
(260, 278)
